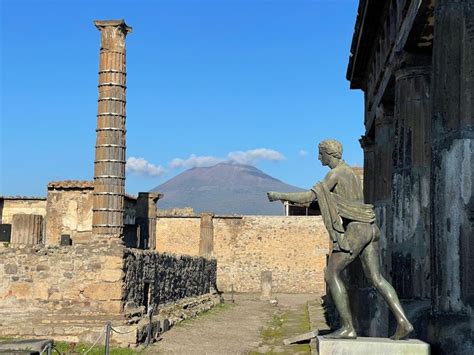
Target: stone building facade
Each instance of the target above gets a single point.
(414, 61)
(293, 249)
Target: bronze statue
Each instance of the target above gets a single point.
(352, 228)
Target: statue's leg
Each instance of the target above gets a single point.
(338, 262)
(371, 265)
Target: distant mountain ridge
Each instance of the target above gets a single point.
(225, 188)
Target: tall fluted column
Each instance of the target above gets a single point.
(411, 182)
(452, 174)
(109, 169)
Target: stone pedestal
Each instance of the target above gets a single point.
(366, 346)
(266, 285)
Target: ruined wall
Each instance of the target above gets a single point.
(48, 291)
(292, 248)
(10, 206)
(179, 235)
(76, 278)
(155, 278)
(71, 292)
(69, 211)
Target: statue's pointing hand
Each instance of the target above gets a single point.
(273, 196)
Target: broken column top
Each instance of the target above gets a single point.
(155, 196)
(114, 23)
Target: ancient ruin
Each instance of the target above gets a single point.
(88, 253)
(414, 62)
(75, 261)
(109, 168)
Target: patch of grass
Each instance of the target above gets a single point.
(305, 323)
(284, 324)
(274, 330)
(80, 348)
(66, 348)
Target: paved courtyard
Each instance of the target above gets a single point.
(247, 326)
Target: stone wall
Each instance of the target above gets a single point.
(10, 206)
(69, 211)
(70, 292)
(293, 249)
(179, 235)
(75, 278)
(66, 293)
(153, 278)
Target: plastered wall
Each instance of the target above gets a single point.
(9, 207)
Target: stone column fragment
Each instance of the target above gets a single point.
(109, 169)
(146, 219)
(26, 229)
(206, 241)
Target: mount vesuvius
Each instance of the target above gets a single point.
(225, 188)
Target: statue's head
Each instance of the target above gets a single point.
(329, 150)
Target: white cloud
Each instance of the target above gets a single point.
(140, 166)
(303, 152)
(250, 157)
(195, 161)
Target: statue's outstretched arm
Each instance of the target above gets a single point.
(296, 197)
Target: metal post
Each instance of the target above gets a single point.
(108, 330)
(232, 293)
(150, 325)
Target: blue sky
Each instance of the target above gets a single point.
(251, 81)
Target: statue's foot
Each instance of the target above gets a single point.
(343, 333)
(403, 329)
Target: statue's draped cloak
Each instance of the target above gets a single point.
(334, 207)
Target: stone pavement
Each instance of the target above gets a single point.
(248, 326)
